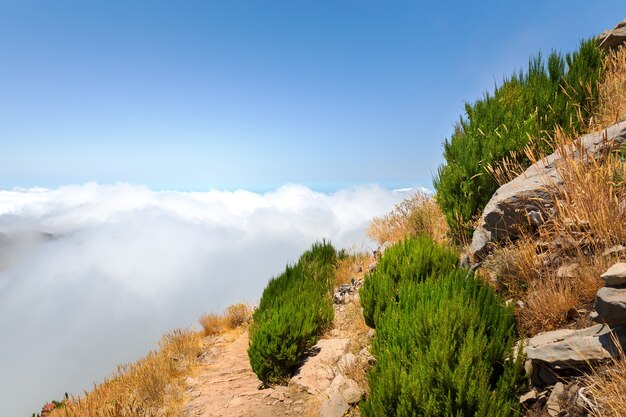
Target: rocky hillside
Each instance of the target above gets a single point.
(551, 239)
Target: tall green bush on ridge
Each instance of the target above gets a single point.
(443, 339)
(442, 351)
(411, 260)
(526, 108)
(295, 308)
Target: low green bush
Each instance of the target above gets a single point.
(411, 260)
(442, 351)
(524, 109)
(295, 308)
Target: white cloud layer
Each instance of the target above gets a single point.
(92, 275)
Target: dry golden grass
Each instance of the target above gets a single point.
(523, 271)
(237, 315)
(351, 266)
(413, 216)
(510, 168)
(152, 386)
(213, 323)
(607, 388)
(612, 103)
(591, 201)
(589, 218)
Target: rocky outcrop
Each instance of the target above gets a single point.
(571, 349)
(613, 38)
(553, 354)
(611, 305)
(611, 299)
(524, 202)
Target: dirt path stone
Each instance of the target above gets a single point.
(224, 385)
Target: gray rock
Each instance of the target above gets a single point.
(346, 362)
(614, 37)
(335, 406)
(568, 271)
(347, 388)
(553, 406)
(568, 349)
(611, 305)
(352, 395)
(507, 213)
(615, 275)
(344, 288)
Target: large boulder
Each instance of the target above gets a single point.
(611, 305)
(525, 201)
(613, 38)
(568, 349)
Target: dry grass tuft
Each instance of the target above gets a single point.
(607, 388)
(612, 103)
(417, 214)
(591, 202)
(351, 266)
(213, 324)
(589, 218)
(152, 386)
(238, 315)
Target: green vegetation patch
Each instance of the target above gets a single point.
(409, 261)
(525, 109)
(443, 349)
(295, 308)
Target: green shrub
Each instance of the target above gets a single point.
(525, 109)
(295, 308)
(411, 260)
(441, 352)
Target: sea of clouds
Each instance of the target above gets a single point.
(92, 275)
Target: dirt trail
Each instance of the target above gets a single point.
(224, 385)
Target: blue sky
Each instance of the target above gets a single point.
(196, 95)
